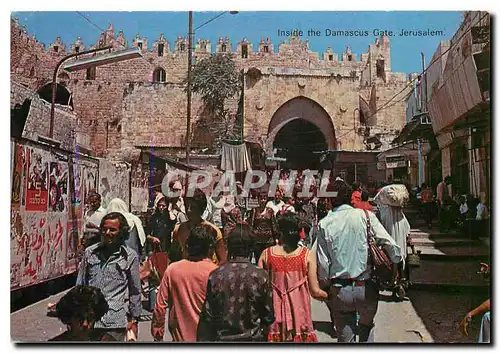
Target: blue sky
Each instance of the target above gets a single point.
(405, 51)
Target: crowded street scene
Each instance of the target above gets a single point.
(198, 180)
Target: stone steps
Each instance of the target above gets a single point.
(449, 262)
(447, 274)
(430, 233)
(450, 253)
(442, 242)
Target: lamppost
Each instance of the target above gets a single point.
(190, 63)
(86, 63)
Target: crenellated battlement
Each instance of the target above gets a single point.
(265, 50)
(123, 104)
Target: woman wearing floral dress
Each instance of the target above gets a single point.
(292, 270)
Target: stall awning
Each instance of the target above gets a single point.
(155, 157)
(419, 127)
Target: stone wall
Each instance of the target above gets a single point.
(67, 128)
(122, 107)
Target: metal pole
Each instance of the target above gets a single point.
(420, 163)
(422, 109)
(54, 87)
(188, 113)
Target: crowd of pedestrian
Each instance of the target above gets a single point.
(238, 273)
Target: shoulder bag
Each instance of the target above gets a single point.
(380, 262)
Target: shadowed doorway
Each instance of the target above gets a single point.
(296, 141)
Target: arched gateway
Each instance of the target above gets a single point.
(299, 128)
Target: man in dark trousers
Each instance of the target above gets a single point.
(239, 302)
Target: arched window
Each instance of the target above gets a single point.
(159, 75)
(63, 96)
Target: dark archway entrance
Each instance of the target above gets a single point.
(63, 96)
(297, 141)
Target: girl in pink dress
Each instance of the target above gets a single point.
(292, 270)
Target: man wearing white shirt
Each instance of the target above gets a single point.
(342, 254)
(93, 217)
(277, 204)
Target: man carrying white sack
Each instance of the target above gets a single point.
(391, 199)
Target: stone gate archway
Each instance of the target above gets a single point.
(301, 124)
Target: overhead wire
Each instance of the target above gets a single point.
(386, 105)
(428, 66)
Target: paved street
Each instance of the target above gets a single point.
(395, 322)
(428, 315)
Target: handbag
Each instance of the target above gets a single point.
(380, 262)
(159, 262)
(155, 266)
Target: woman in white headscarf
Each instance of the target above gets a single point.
(137, 236)
(391, 199)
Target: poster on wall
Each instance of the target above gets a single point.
(114, 181)
(18, 240)
(140, 199)
(58, 195)
(17, 173)
(32, 247)
(12, 158)
(54, 259)
(89, 182)
(36, 187)
(75, 224)
(41, 251)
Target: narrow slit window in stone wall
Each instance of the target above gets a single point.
(380, 68)
(91, 73)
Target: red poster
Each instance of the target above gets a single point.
(37, 195)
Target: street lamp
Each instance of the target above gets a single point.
(190, 61)
(111, 57)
